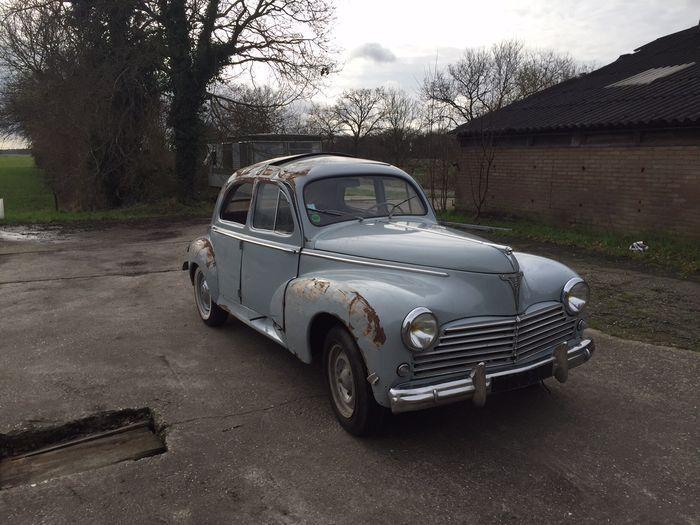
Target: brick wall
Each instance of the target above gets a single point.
(632, 188)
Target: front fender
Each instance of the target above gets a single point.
(372, 308)
(543, 279)
(200, 253)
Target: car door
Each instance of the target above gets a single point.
(271, 256)
(229, 227)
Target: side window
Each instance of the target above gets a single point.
(265, 207)
(272, 210)
(236, 203)
(284, 222)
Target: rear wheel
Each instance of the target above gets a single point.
(210, 312)
(351, 396)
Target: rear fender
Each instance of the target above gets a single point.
(200, 254)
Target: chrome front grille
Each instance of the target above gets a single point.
(495, 342)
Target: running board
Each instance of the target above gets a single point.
(267, 326)
(264, 325)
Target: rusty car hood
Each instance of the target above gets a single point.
(416, 242)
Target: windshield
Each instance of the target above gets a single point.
(337, 199)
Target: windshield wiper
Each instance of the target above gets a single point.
(336, 213)
(395, 206)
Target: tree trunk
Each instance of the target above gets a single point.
(186, 149)
(184, 117)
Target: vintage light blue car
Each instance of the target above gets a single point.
(342, 260)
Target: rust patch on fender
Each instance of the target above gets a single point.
(373, 330)
(203, 244)
(359, 309)
(310, 289)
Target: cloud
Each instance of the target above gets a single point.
(406, 72)
(373, 51)
(413, 37)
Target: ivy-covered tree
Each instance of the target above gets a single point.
(286, 40)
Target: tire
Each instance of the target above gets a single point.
(350, 394)
(210, 312)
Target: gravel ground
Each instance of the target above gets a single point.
(104, 320)
(631, 301)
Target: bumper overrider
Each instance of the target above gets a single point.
(480, 382)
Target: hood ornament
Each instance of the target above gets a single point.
(514, 279)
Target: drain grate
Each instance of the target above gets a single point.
(86, 444)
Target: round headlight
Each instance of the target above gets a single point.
(575, 295)
(420, 329)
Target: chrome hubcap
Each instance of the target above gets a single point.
(202, 295)
(341, 381)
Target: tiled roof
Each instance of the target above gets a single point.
(657, 85)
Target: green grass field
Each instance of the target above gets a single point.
(673, 253)
(28, 200)
(22, 188)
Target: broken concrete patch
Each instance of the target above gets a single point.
(34, 456)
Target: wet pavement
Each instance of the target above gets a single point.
(104, 320)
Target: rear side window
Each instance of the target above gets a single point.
(266, 207)
(236, 203)
(272, 210)
(284, 222)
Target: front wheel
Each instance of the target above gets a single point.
(351, 396)
(210, 312)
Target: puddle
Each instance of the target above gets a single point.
(27, 233)
(97, 441)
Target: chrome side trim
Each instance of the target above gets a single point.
(405, 398)
(252, 240)
(314, 253)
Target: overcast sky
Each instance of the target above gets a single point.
(392, 42)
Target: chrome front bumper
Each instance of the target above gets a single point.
(406, 399)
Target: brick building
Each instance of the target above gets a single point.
(617, 148)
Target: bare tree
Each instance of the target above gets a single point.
(540, 69)
(360, 111)
(484, 80)
(237, 110)
(323, 120)
(400, 123)
(440, 154)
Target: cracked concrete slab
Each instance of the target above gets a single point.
(251, 437)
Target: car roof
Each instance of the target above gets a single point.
(309, 166)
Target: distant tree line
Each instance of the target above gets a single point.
(117, 98)
(112, 95)
(413, 131)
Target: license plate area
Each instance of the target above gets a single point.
(521, 380)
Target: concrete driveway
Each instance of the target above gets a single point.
(105, 320)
